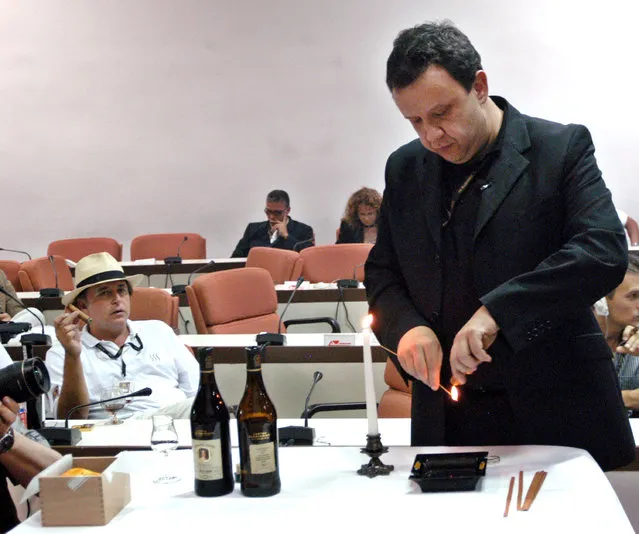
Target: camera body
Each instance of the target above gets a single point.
(24, 380)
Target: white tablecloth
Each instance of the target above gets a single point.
(321, 492)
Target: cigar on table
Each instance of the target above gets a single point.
(81, 314)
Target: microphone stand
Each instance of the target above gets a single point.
(29, 339)
(301, 435)
(269, 338)
(170, 260)
(179, 289)
(70, 436)
(52, 291)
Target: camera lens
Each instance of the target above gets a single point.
(24, 380)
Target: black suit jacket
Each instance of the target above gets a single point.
(300, 236)
(349, 234)
(547, 244)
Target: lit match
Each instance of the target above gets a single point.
(81, 314)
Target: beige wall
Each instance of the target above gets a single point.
(122, 117)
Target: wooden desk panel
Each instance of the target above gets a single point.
(237, 355)
(303, 296)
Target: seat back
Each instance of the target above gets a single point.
(396, 400)
(282, 264)
(76, 249)
(38, 273)
(160, 246)
(237, 301)
(154, 303)
(327, 263)
(11, 269)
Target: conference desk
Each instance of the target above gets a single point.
(229, 349)
(321, 492)
(288, 370)
(134, 434)
(324, 293)
(152, 267)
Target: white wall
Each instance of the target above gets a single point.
(122, 117)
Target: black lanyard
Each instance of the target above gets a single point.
(118, 354)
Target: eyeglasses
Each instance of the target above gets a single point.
(275, 213)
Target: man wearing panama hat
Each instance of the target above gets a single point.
(113, 350)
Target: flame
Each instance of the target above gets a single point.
(454, 393)
(367, 321)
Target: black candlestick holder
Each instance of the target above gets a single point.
(374, 449)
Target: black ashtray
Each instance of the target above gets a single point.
(456, 471)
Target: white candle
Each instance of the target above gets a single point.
(371, 403)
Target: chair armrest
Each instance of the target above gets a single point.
(335, 328)
(333, 407)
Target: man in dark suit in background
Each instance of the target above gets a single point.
(278, 231)
(496, 235)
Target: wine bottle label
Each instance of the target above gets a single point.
(262, 458)
(207, 459)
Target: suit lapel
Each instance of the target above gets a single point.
(506, 170)
(430, 186)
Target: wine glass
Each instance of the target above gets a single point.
(164, 439)
(113, 406)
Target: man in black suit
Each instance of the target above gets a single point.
(278, 231)
(496, 235)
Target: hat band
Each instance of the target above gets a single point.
(101, 277)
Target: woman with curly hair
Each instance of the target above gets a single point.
(359, 224)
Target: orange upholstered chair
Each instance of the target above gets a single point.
(38, 273)
(11, 268)
(282, 264)
(239, 301)
(160, 246)
(327, 263)
(396, 400)
(154, 303)
(76, 249)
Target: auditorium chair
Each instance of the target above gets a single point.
(39, 273)
(11, 269)
(160, 246)
(154, 303)
(396, 400)
(78, 248)
(239, 301)
(328, 263)
(394, 403)
(282, 264)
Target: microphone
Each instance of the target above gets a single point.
(176, 259)
(317, 376)
(17, 251)
(296, 245)
(278, 339)
(351, 282)
(30, 339)
(301, 435)
(179, 289)
(52, 291)
(70, 436)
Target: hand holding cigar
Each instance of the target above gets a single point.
(81, 314)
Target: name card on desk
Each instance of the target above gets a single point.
(332, 340)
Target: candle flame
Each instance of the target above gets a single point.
(454, 393)
(367, 321)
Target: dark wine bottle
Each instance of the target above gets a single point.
(257, 431)
(211, 434)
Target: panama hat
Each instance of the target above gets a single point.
(96, 269)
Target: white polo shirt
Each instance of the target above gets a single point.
(163, 363)
(5, 359)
